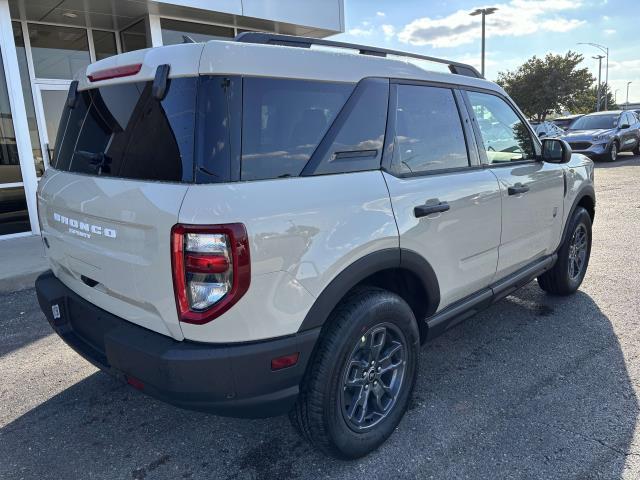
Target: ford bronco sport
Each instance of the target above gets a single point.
(253, 228)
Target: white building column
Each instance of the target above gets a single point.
(155, 30)
(18, 113)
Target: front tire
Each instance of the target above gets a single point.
(573, 257)
(612, 153)
(359, 381)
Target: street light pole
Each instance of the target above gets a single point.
(605, 50)
(628, 83)
(598, 96)
(484, 12)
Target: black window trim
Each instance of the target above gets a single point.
(388, 164)
(478, 134)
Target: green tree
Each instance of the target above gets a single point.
(542, 86)
(585, 102)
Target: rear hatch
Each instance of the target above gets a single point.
(122, 164)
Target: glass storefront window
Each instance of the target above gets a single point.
(58, 52)
(174, 31)
(14, 216)
(134, 37)
(9, 160)
(28, 97)
(104, 44)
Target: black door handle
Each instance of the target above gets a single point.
(428, 209)
(517, 189)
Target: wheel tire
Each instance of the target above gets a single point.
(636, 150)
(319, 414)
(559, 280)
(612, 153)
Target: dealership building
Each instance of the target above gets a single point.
(44, 42)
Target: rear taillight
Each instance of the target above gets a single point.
(211, 269)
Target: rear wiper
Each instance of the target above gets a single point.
(99, 160)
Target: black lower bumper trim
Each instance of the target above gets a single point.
(225, 379)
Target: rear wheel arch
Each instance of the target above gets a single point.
(403, 272)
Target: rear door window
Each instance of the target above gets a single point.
(123, 131)
(429, 135)
(283, 123)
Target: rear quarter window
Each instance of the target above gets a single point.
(283, 123)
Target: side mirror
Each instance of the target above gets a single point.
(555, 150)
(624, 125)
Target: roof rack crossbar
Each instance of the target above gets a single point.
(306, 42)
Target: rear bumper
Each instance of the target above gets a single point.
(225, 379)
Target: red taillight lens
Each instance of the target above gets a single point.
(198, 263)
(211, 269)
(115, 72)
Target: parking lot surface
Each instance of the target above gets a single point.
(536, 387)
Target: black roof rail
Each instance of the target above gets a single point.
(307, 42)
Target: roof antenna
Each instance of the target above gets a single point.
(187, 39)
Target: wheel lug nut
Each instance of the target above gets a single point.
(379, 368)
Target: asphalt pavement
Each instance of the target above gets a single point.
(536, 387)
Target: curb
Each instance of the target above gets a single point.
(19, 282)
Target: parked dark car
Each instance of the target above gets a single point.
(603, 135)
(566, 121)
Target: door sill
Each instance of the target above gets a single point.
(469, 306)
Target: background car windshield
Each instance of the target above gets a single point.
(595, 122)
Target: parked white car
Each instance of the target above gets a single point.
(547, 129)
(251, 228)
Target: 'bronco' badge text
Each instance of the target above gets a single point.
(83, 229)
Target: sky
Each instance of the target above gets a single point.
(519, 30)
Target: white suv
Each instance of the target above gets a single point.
(252, 227)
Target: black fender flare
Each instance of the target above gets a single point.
(586, 191)
(390, 258)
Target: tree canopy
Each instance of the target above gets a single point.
(542, 86)
(585, 102)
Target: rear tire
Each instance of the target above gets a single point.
(636, 150)
(573, 257)
(360, 378)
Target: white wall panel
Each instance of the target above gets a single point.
(225, 6)
(325, 14)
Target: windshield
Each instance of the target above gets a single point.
(123, 131)
(595, 122)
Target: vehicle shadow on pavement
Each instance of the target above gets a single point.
(534, 387)
(624, 160)
(16, 331)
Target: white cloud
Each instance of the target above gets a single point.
(610, 31)
(515, 18)
(389, 31)
(360, 32)
(381, 14)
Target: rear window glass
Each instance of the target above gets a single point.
(123, 131)
(283, 123)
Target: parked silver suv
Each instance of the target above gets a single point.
(252, 228)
